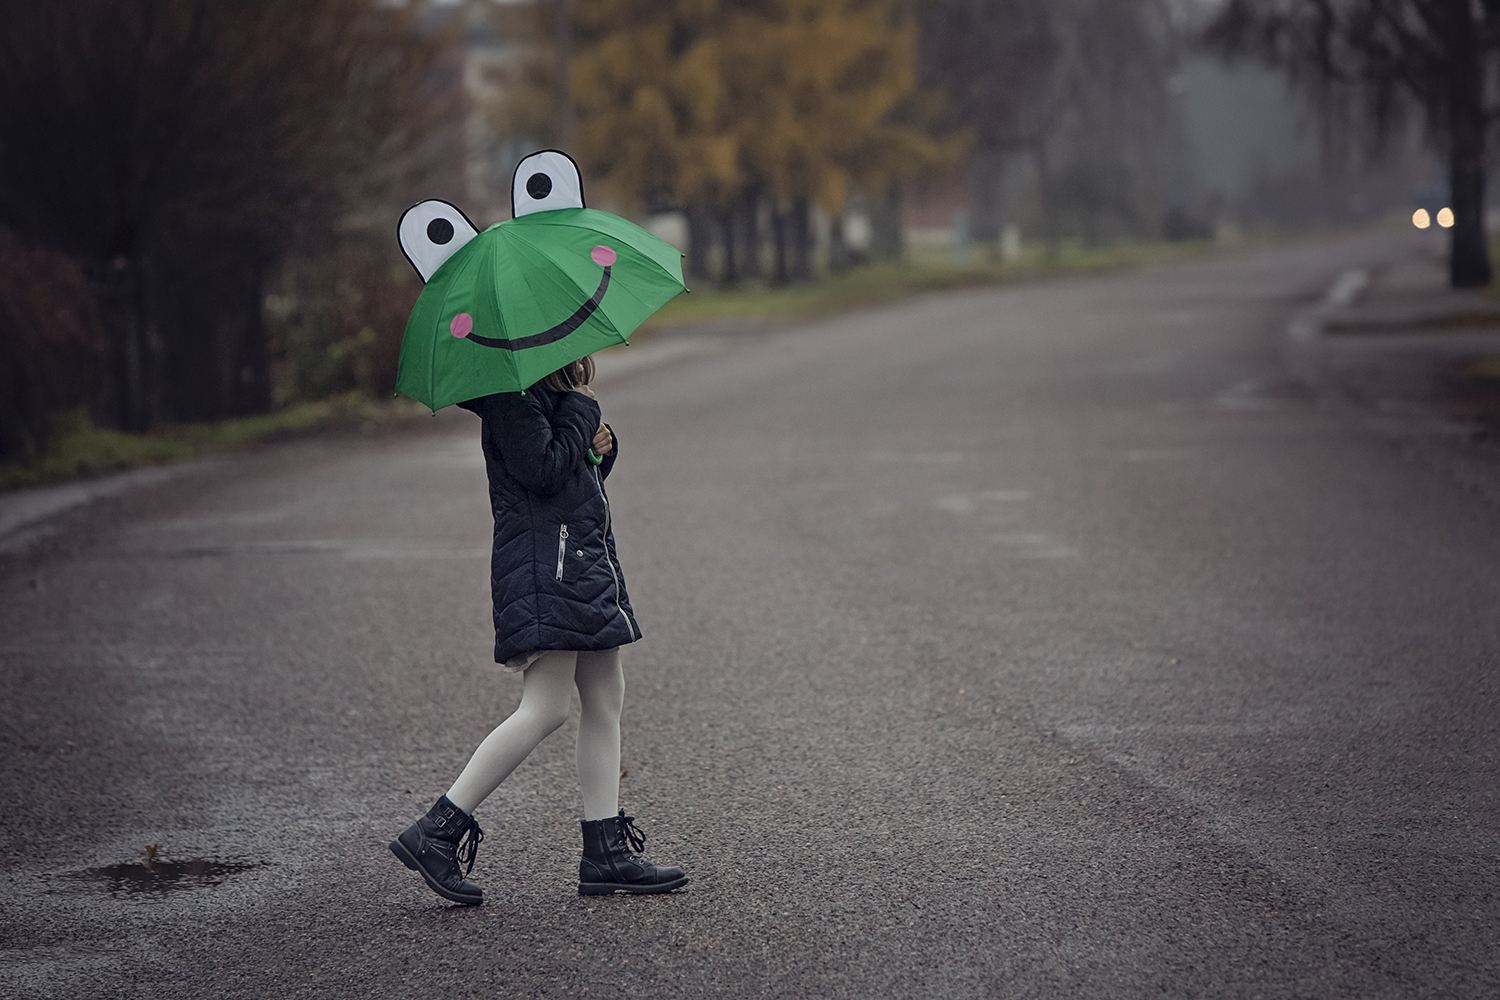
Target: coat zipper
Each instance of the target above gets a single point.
(562, 548)
(613, 575)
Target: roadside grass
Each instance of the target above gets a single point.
(79, 449)
(926, 269)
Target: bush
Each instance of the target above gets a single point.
(52, 347)
(336, 324)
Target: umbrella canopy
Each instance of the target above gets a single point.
(526, 297)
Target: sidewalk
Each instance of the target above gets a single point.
(1422, 360)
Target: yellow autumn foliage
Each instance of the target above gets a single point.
(700, 101)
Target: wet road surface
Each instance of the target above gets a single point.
(1040, 641)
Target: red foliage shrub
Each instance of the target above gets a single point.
(51, 343)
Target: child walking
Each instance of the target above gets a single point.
(561, 615)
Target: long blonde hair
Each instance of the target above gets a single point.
(571, 376)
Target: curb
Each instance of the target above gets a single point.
(1392, 383)
(28, 516)
(1308, 345)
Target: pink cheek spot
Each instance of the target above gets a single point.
(603, 256)
(462, 325)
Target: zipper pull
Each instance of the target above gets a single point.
(562, 548)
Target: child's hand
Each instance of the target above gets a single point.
(604, 441)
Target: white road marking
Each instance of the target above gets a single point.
(960, 503)
(997, 507)
(1242, 397)
(1347, 288)
(1034, 545)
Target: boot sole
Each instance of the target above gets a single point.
(610, 888)
(405, 857)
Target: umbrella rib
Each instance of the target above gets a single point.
(537, 220)
(432, 345)
(557, 332)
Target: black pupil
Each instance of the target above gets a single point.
(440, 231)
(539, 186)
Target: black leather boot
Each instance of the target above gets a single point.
(611, 865)
(434, 847)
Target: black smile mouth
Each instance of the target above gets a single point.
(557, 332)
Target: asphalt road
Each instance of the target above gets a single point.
(1040, 641)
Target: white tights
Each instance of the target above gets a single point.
(546, 699)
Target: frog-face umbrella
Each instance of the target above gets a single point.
(504, 308)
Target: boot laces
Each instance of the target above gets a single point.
(468, 847)
(633, 835)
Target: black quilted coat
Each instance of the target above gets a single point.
(554, 576)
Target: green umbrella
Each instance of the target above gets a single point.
(526, 297)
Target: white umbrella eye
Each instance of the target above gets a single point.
(546, 181)
(432, 231)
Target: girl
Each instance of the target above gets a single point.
(561, 614)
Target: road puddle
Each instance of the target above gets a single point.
(157, 876)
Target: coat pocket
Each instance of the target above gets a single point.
(562, 548)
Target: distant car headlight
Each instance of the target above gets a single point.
(1421, 219)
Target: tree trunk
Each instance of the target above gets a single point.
(726, 231)
(120, 308)
(752, 233)
(700, 243)
(887, 241)
(779, 239)
(252, 381)
(802, 262)
(205, 299)
(1045, 190)
(562, 40)
(1468, 255)
(986, 172)
(838, 249)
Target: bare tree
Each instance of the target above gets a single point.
(1078, 87)
(999, 63)
(1431, 53)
